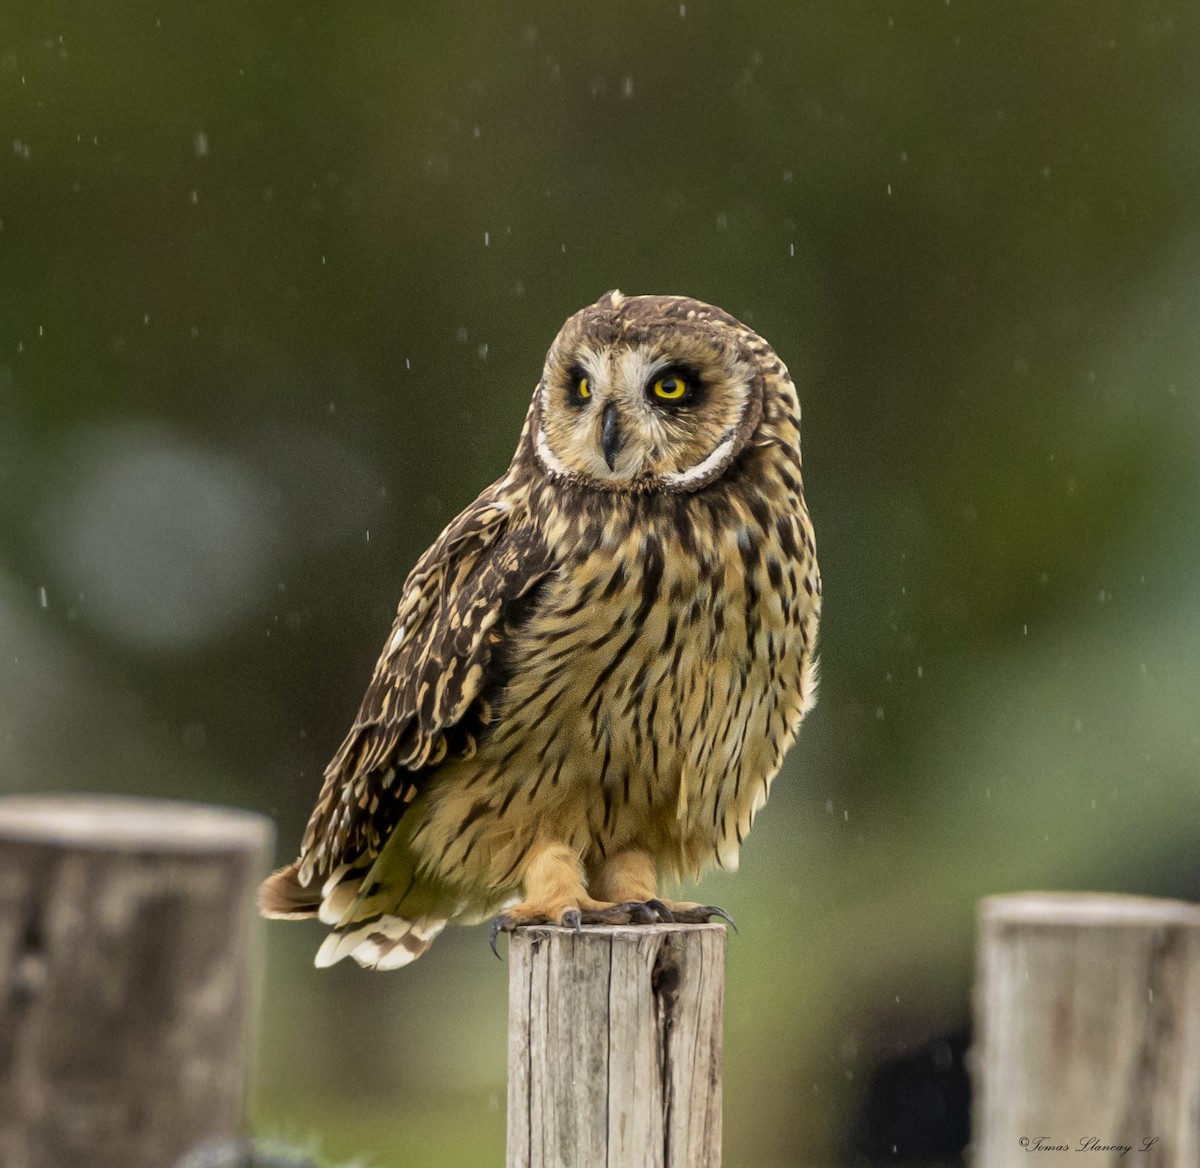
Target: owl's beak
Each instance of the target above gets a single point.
(610, 434)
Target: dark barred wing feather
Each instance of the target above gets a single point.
(424, 701)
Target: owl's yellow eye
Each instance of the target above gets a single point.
(670, 388)
(579, 387)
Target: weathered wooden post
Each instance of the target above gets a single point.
(1088, 1031)
(126, 978)
(614, 1047)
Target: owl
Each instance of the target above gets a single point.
(597, 668)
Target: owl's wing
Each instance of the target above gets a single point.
(425, 697)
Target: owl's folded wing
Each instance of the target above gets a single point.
(424, 701)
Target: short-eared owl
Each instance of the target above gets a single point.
(596, 670)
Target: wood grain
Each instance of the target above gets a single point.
(615, 1042)
(1087, 1031)
(126, 931)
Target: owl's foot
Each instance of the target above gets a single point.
(571, 914)
(629, 878)
(631, 912)
(687, 912)
(595, 912)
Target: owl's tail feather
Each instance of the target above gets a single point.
(384, 912)
(384, 942)
(282, 896)
(290, 894)
(388, 942)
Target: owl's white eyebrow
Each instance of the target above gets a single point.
(685, 478)
(547, 456)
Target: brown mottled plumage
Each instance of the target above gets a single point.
(596, 670)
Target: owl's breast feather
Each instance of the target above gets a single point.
(652, 694)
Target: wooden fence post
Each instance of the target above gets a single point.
(614, 1047)
(125, 978)
(1087, 1031)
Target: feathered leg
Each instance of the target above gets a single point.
(554, 891)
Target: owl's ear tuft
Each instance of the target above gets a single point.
(613, 299)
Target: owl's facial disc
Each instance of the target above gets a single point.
(642, 415)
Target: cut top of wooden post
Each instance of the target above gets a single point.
(1069, 909)
(117, 823)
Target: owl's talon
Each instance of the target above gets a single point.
(498, 923)
(711, 910)
(720, 912)
(572, 920)
(664, 914)
(699, 914)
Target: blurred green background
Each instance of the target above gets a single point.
(276, 282)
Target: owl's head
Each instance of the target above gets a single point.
(649, 393)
